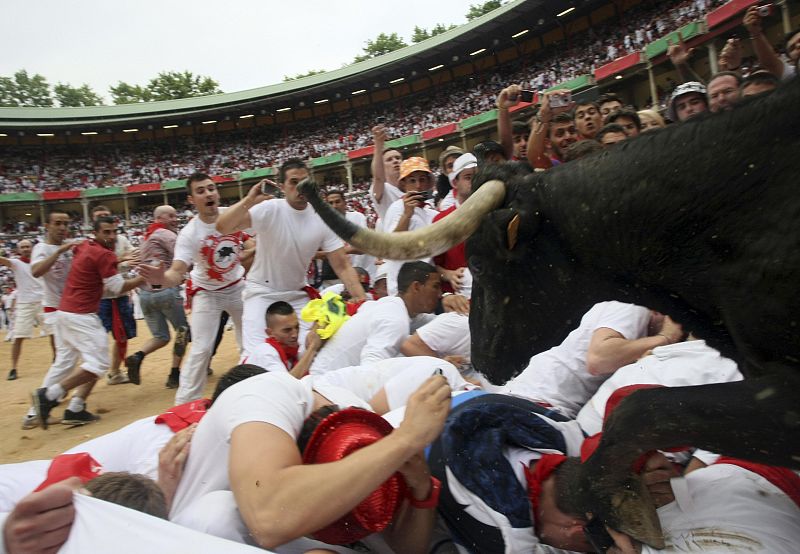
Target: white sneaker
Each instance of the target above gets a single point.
(117, 378)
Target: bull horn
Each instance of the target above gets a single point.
(411, 245)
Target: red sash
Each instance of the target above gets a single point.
(118, 328)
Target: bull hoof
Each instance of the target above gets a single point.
(633, 512)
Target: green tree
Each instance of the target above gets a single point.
(301, 75)
(421, 34)
(383, 44)
(69, 96)
(477, 10)
(25, 90)
(168, 85)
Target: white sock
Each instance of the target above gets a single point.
(54, 392)
(76, 404)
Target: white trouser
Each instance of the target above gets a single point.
(80, 335)
(207, 307)
(257, 299)
(66, 357)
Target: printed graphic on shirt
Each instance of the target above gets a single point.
(221, 253)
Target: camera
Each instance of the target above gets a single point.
(266, 188)
(764, 10)
(424, 195)
(526, 95)
(380, 120)
(560, 100)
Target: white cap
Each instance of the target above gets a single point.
(464, 161)
(381, 273)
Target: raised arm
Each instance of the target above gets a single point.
(766, 55)
(507, 99)
(237, 217)
(44, 265)
(378, 170)
(167, 278)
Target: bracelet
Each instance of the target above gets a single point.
(666, 337)
(447, 294)
(433, 497)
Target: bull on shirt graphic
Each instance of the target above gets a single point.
(221, 253)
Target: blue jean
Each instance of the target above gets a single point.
(161, 306)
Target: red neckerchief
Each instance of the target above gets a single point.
(64, 466)
(26, 260)
(543, 469)
(288, 354)
(152, 228)
(180, 417)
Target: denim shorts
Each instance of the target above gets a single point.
(125, 311)
(160, 307)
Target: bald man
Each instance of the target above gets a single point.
(28, 308)
(161, 305)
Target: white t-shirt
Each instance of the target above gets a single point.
(447, 335)
(267, 357)
(373, 334)
(390, 194)
(53, 281)
(399, 376)
(287, 241)
(422, 217)
(275, 398)
(559, 376)
(215, 256)
(724, 508)
(676, 365)
(29, 288)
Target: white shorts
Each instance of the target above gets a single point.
(85, 334)
(26, 315)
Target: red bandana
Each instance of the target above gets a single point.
(64, 466)
(26, 260)
(152, 228)
(288, 354)
(180, 417)
(543, 469)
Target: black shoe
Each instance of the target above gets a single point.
(43, 405)
(79, 418)
(133, 363)
(174, 379)
(12, 375)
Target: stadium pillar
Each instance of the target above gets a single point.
(239, 187)
(713, 57)
(127, 210)
(652, 79)
(463, 135)
(166, 198)
(348, 167)
(85, 206)
(785, 16)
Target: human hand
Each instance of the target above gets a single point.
(67, 246)
(455, 303)
(41, 521)
(412, 200)
(678, 53)
(454, 276)
(671, 330)
(133, 256)
(172, 460)
(546, 112)
(509, 97)
(256, 195)
(657, 472)
(313, 340)
(752, 21)
(426, 412)
(379, 135)
(731, 56)
(153, 274)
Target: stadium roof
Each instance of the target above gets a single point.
(492, 31)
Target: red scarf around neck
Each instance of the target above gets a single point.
(152, 228)
(288, 354)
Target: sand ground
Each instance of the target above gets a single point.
(117, 405)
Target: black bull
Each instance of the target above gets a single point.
(700, 221)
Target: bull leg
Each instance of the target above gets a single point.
(755, 420)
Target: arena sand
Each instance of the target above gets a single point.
(117, 405)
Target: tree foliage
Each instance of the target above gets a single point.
(477, 10)
(25, 90)
(301, 75)
(69, 96)
(168, 85)
(383, 44)
(421, 33)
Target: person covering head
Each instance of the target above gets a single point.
(687, 93)
(337, 436)
(465, 161)
(413, 164)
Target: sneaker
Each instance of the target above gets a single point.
(134, 363)
(79, 418)
(173, 380)
(32, 422)
(118, 378)
(42, 405)
(12, 375)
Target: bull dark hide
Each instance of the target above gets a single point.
(700, 221)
